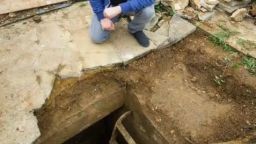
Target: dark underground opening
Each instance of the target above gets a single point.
(192, 92)
(98, 133)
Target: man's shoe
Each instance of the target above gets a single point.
(141, 38)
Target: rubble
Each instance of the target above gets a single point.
(239, 14)
(212, 2)
(204, 10)
(231, 5)
(37, 19)
(195, 4)
(206, 16)
(252, 10)
(176, 4)
(209, 4)
(188, 13)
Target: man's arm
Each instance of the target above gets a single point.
(129, 6)
(135, 5)
(98, 8)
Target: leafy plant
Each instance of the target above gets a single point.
(160, 8)
(250, 64)
(220, 38)
(219, 80)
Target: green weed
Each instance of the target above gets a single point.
(250, 64)
(160, 8)
(219, 39)
(219, 80)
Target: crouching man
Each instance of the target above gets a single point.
(107, 12)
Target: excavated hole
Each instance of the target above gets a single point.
(188, 93)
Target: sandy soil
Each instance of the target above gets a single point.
(185, 96)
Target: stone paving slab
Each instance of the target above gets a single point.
(244, 37)
(179, 29)
(32, 54)
(6, 6)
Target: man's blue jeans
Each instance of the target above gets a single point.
(141, 18)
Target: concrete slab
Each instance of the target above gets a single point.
(244, 35)
(130, 50)
(32, 54)
(7, 6)
(179, 29)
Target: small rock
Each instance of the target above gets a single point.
(172, 131)
(11, 15)
(239, 15)
(252, 10)
(161, 22)
(203, 9)
(37, 19)
(206, 16)
(212, 2)
(176, 4)
(195, 4)
(194, 79)
(209, 6)
(188, 13)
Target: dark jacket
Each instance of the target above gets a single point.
(98, 6)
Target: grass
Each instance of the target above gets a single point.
(221, 37)
(219, 80)
(160, 8)
(249, 64)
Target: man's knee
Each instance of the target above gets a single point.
(98, 38)
(97, 34)
(148, 12)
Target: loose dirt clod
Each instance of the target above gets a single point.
(37, 19)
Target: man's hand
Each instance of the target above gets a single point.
(107, 24)
(112, 12)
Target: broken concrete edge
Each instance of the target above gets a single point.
(41, 11)
(39, 4)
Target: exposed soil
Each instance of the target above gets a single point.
(192, 91)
